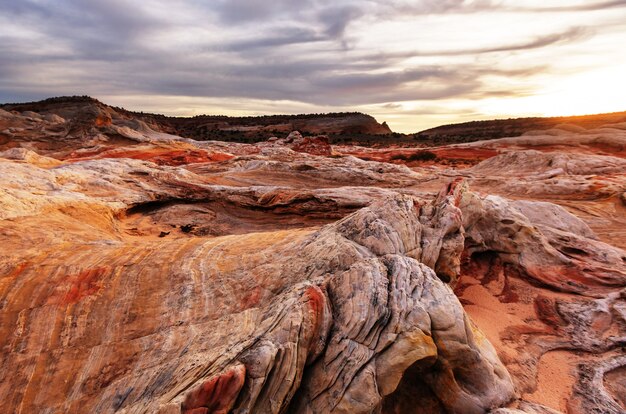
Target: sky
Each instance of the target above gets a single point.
(414, 64)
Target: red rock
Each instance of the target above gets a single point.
(318, 145)
(160, 156)
(301, 282)
(216, 395)
(81, 285)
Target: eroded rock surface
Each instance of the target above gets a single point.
(144, 272)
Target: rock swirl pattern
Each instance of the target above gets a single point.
(144, 272)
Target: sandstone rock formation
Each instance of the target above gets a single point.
(500, 128)
(85, 111)
(145, 272)
(317, 145)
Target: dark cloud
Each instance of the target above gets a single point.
(276, 50)
(71, 18)
(317, 81)
(282, 37)
(254, 11)
(329, 24)
(108, 30)
(337, 19)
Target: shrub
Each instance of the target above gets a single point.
(416, 156)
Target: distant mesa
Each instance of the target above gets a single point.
(501, 128)
(358, 128)
(85, 111)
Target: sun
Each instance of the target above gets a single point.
(589, 92)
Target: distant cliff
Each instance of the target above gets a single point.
(500, 128)
(341, 126)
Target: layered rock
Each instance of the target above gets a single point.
(150, 273)
(305, 339)
(318, 145)
(84, 113)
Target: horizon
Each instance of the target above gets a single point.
(415, 65)
(161, 113)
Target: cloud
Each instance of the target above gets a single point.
(337, 19)
(427, 109)
(254, 11)
(326, 25)
(569, 35)
(602, 5)
(426, 7)
(285, 36)
(319, 52)
(92, 29)
(438, 7)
